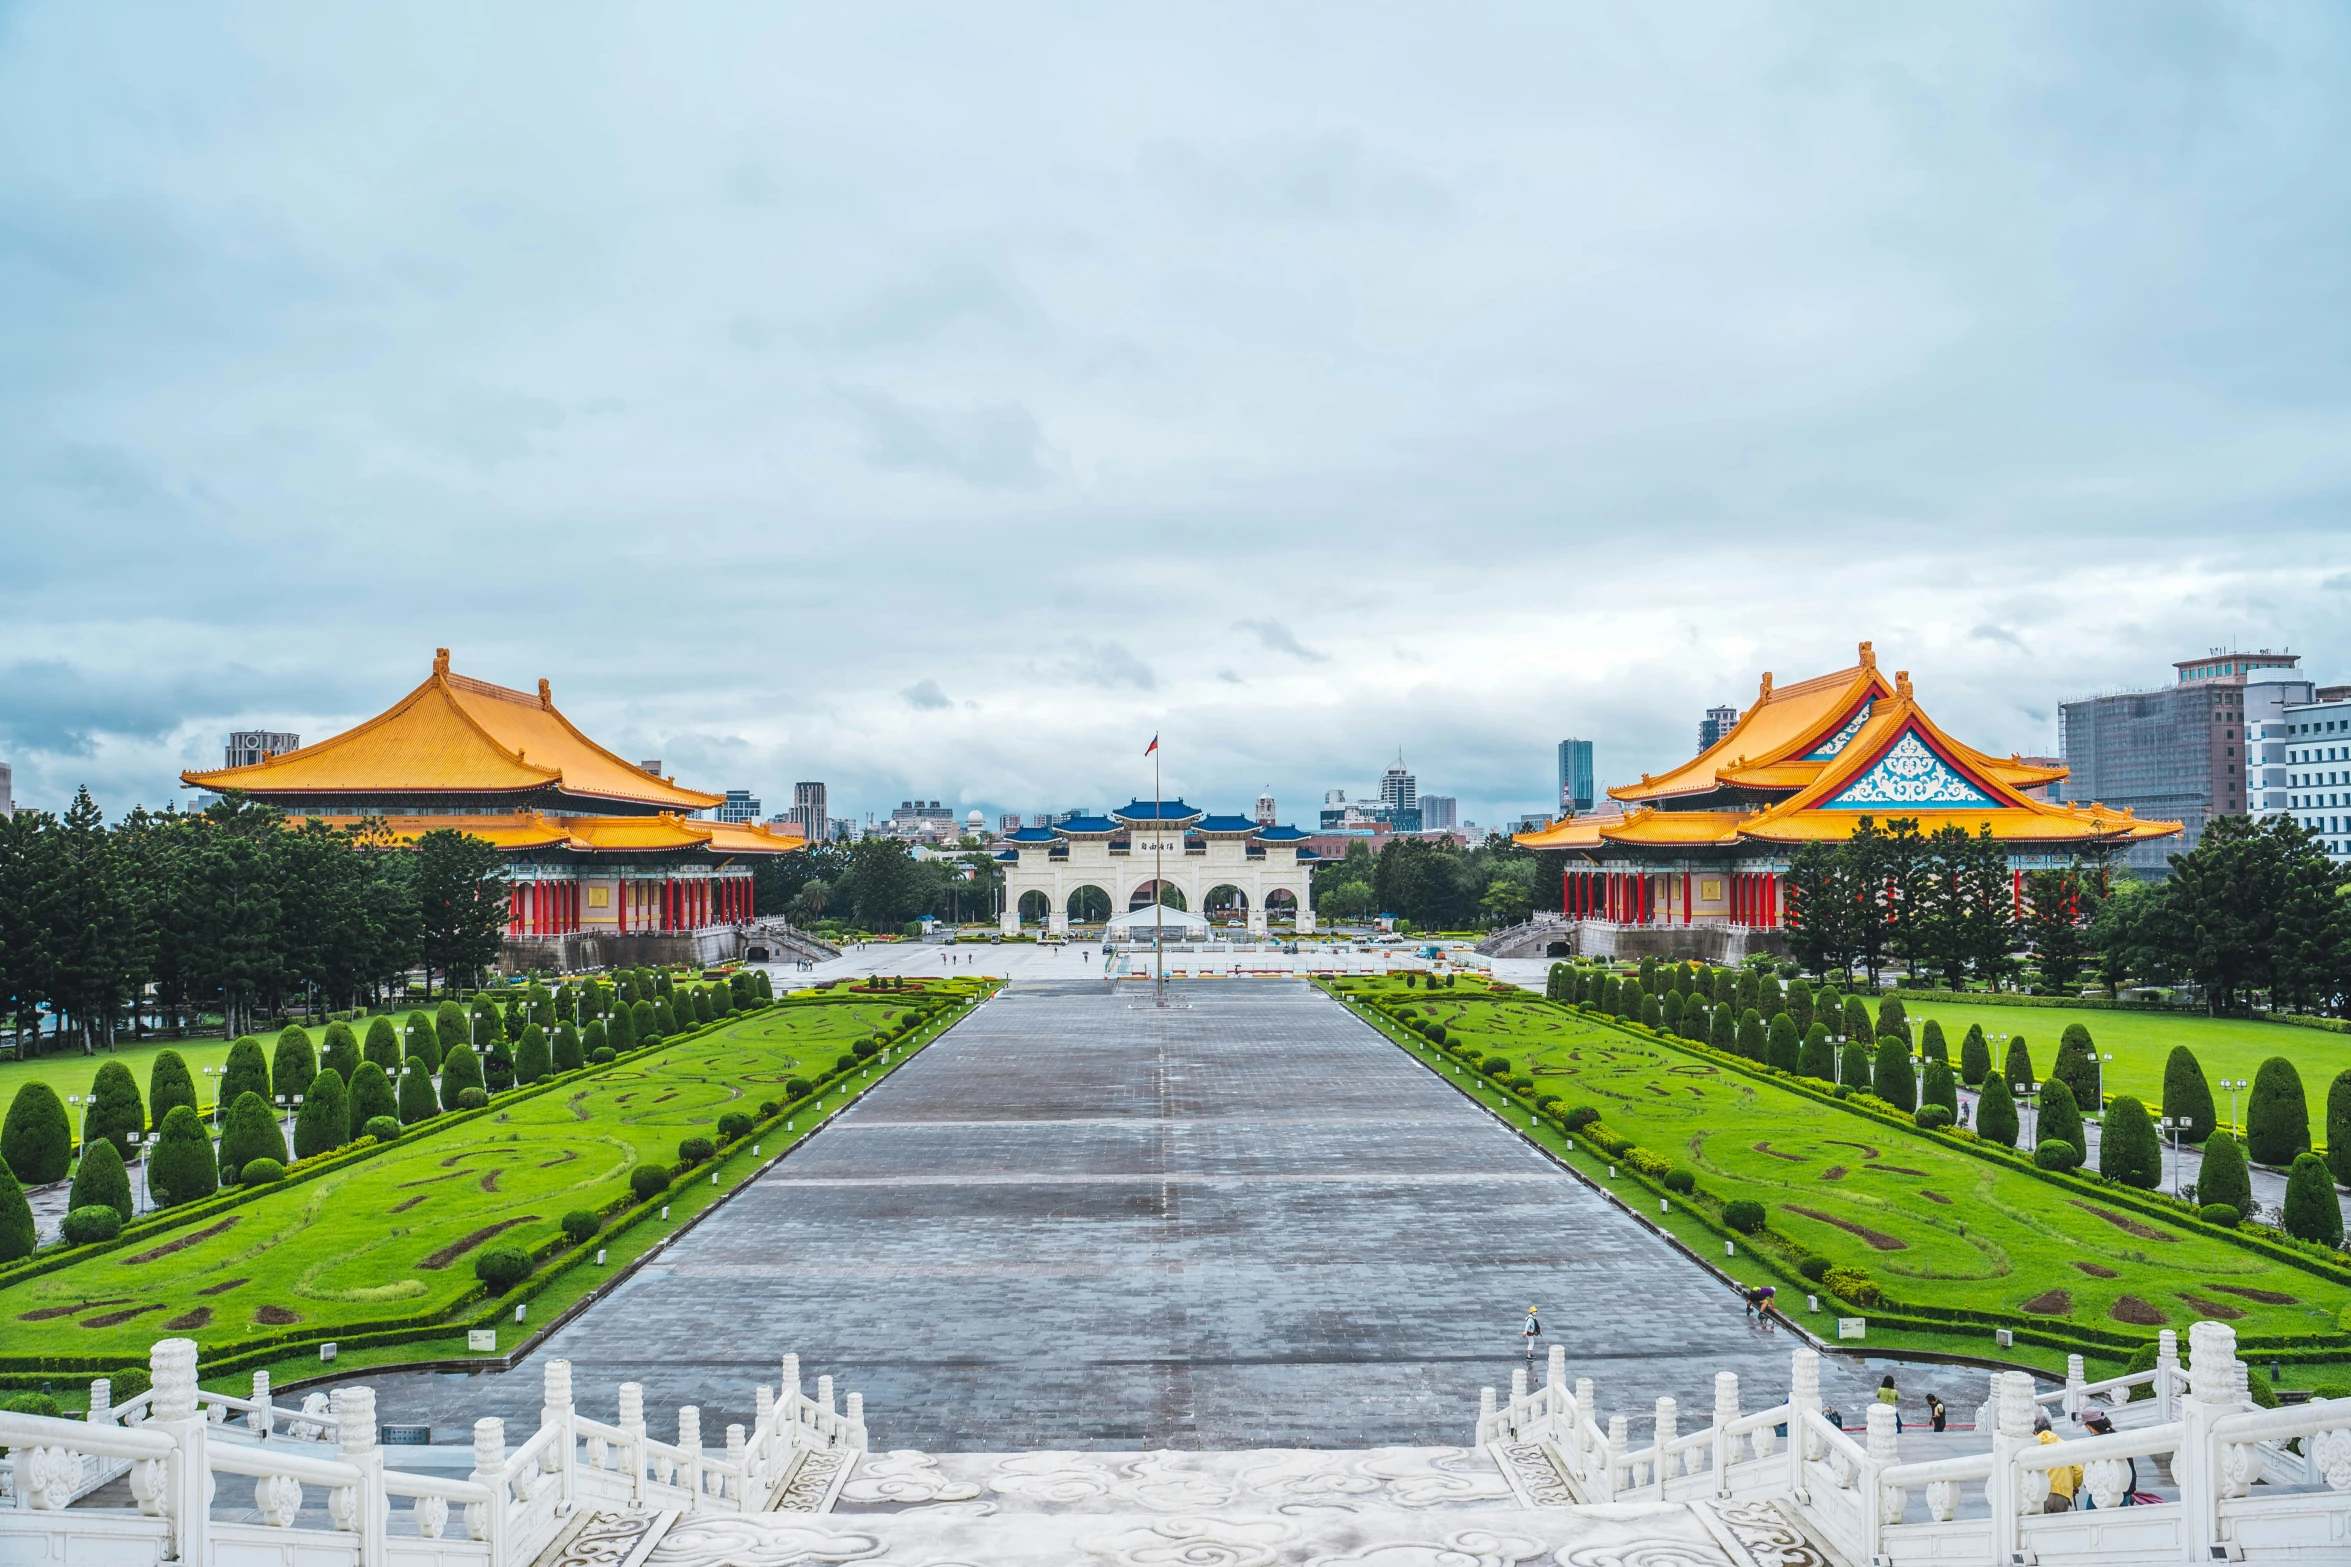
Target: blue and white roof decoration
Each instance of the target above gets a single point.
(1831, 748)
(1225, 824)
(1909, 774)
(1157, 810)
(1280, 835)
(1089, 824)
(1032, 835)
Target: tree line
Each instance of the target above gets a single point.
(168, 916)
(2257, 910)
(1435, 884)
(876, 884)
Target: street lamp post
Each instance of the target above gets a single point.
(2171, 1129)
(2233, 1085)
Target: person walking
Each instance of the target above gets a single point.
(2064, 1479)
(1531, 1332)
(1935, 1411)
(1887, 1394)
(2100, 1423)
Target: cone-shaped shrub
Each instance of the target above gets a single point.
(1750, 1036)
(1800, 1006)
(703, 1011)
(115, 1112)
(424, 1041)
(2339, 1128)
(488, 1025)
(1780, 1047)
(2018, 1067)
(2128, 1150)
(17, 1235)
(2311, 1212)
(1770, 1000)
(1818, 1058)
(531, 1060)
(1857, 1021)
(461, 1069)
(1854, 1071)
(1893, 1017)
(416, 1094)
(592, 1038)
(1995, 1113)
(246, 1073)
(383, 1045)
(323, 1124)
(2277, 1121)
(451, 1027)
(1930, 1042)
(644, 1022)
(293, 1064)
(169, 1084)
(2061, 1120)
(1722, 1027)
(1975, 1057)
(665, 1015)
(1890, 1076)
(723, 1002)
(37, 1139)
(2187, 1096)
(1652, 1012)
(181, 1168)
(339, 1052)
(564, 1049)
(2224, 1176)
(620, 1029)
(250, 1131)
(100, 1181)
(1941, 1088)
(2077, 1067)
(371, 1095)
(1669, 1010)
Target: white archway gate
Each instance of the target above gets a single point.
(1124, 852)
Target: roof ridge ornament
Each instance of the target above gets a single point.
(441, 661)
(1902, 684)
(1763, 694)
(546, 694)
(1869, 656)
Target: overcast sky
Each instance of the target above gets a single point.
(942, 400)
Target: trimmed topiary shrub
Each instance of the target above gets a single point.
(1679, 1182)
(423, 1042)
(564, 1051)
(734, 1126)
(645, 1022)
(461, 1069)
(693, 1150)
(181, 1169)
(2277, 1119)
(1436, 1033)
(339, 1051)
(416, 1094)
(323, 1124)
(1933, 1117)
(2055, 1153)
(2187, 1096)
(100, 1181)
(2061, 1119)
(501, 1268)
(114, 1111)
(1744, 1215)
(2339, 1128)
(37, 1138)
(1812, 1267)
(2128, 1149)
(169, 1085)
(1940, 1089)
(865, 1048)
(1495, 1066)
(798, 1088)
(293, 1063)
(1975, 1057)
(472, 1098)
(2077, 1068)
(603, 1054)
(1817, 1057)
(2224, 1176)
(261, 1172)
(247, 1072)
(383, 1128)
(17, 1233)
(371, 1095)
(1852, 1284)
(2017, 1067)
(248, 1132)
(1857, 1026)
(1749, 1040)
(532, 1059)
(2219, 1213)
(383, 1045)
(2311, 1212)
(1890, 1076)
(1930, 1042)
(88, 1226)
(579, 1225)
(1580, 1117)
(647, 1180)
(592, 1039)
(451, 1027)
(1995, 1112)
(1856, 1069)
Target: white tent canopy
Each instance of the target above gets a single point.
(1179, 924)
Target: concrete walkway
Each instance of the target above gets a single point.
(1081, 1223)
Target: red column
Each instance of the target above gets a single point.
(1685, 897)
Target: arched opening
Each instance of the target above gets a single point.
(1281, 907)
(1226, 903)
(1556, 949)
(1089, 905)
(1035, 908)
(1169, 894)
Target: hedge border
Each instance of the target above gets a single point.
(23, 1369)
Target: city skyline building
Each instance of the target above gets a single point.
(1719, 721)
(2315, 741)
(740, 805)
(809, 806)
(252, 747)
(1439, 812)
(1576, 786)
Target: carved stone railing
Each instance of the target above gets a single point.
(2251, 1484)
(186, 1463)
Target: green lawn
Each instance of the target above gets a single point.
(394, 1235)
(2141, 1042)
(73, 1074)
(1936, 1226)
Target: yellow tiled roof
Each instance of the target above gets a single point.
(1765, 747)
(594, 834)
(457, 735)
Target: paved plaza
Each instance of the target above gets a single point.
(1079, 1222)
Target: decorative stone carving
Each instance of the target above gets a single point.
(343, 1508)
(432, 1516)
(1943, 1500)
(151, 1486)
(171, 1369)
(2330, 1451)
(2212, 1363)
(1885, 1451)
(2105, 1479)
(2016, 1405)
(257, 1419)
(46, 1477)
(277, 1498)
(354, 1411)
(489, 1457)
(2240, 1466)
(1668, 1428)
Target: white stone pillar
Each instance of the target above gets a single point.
(735, 1489)
(1668, 1428)
(2167, 1376)
(486, 1521)
(2010, 1491)
(367, 1513)
(1803, 1400)
(1883, 1503)
(690, 1450)
(1726, 1410)
(172, 1412)
(2201, 1469)
(632, 1422)
(555, 1409)
(257, 1419)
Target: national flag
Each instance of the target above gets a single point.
(1153, 746)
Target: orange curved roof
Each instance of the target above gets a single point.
(594, 834)
(457, 735)
(1767, 747)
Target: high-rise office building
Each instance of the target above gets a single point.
(1008, 824)
(2211, 744)
(808, 809)
(1576, 793)
(7, 790)
(1719, 721)
(1400, 797)
(740, 806)
(2316, 741)
(1439, 813)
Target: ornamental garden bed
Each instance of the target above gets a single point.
(1920, 1231)
(352, 1255)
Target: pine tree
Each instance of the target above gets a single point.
(531, 1059)
(1893, 1017)
(1780, 1047)
(424, 1041)
(2224, 1176)
(2018, 1068)
(18, 1237)
(383, 1045)
(1930, 1042)
(461, 1069)
(1941, 1088)
(1975, 1057)
(100, 1181)
(371, 1095)
(115, 1112)
(2061, 1120)
(249, 1131)
(37, 1138)
(323, 1124)
(1818, 1058)
(564, 1049)
(416, 1093)
(2277, 1119)
(2311, 1212)
(2077, 1066)
(169, 1083)
(294, 1064)
(1857, 1021)
(1856, 1066)
(339, 1052)
(246, 1073)
(451, 1027)
(2187, 1097)
(1995, 1113)
(2128, 1149)
(181, 1169)
(2339, 1128)
(1890, 1075)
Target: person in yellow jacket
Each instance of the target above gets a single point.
(2064, 1479)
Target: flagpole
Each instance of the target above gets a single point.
(1158, 887)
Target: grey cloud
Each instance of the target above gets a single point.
(1988, 632)
(1106, 664)
(993, 445)
(926, 695)
(1229, 678)
(1278, 638)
